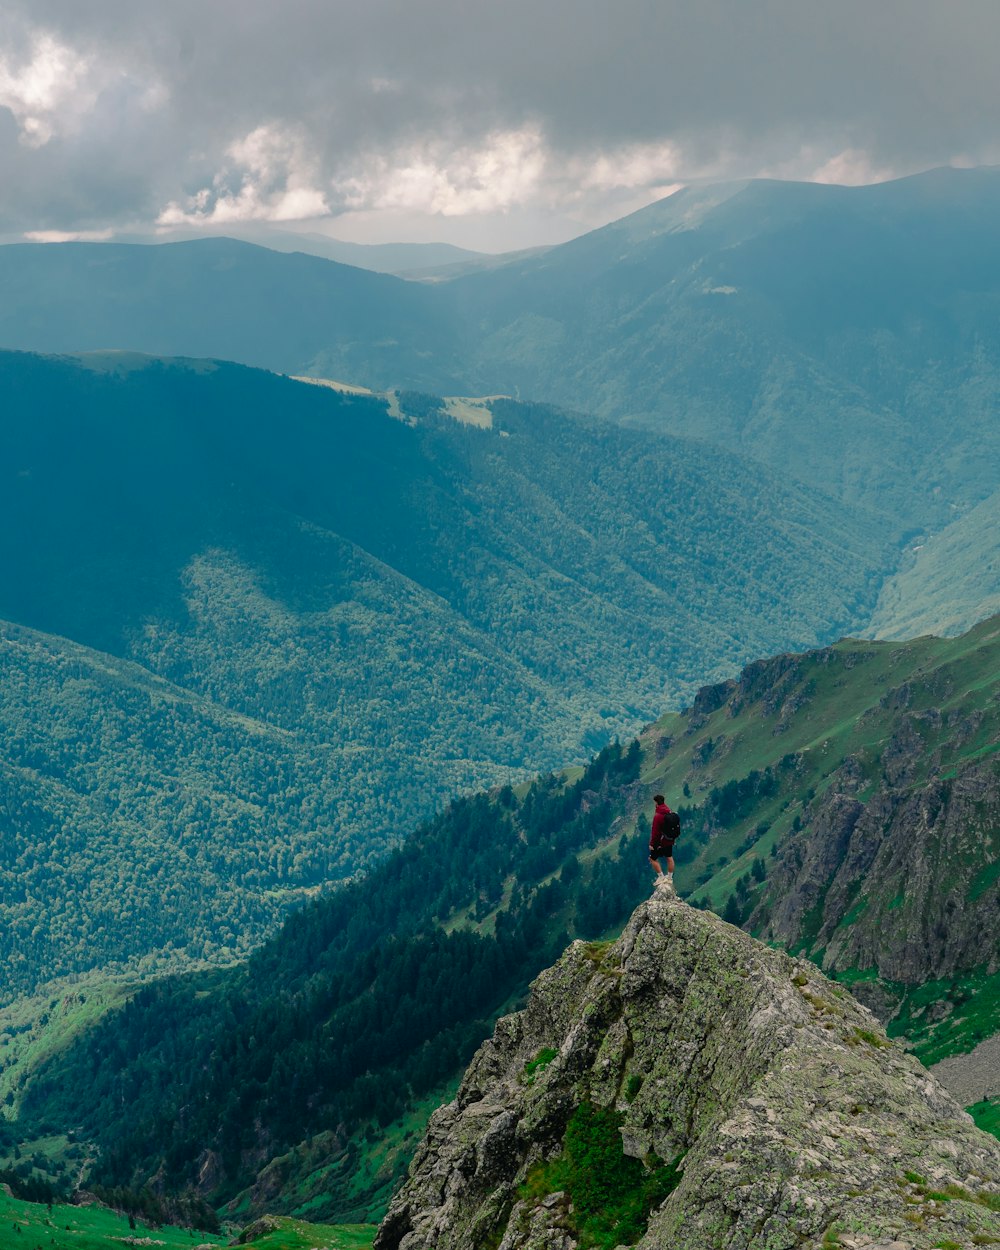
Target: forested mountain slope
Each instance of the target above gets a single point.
(872, 772)
(844, 336)
(837, 802)
(141, 819)
(847, 336)
(341, 620)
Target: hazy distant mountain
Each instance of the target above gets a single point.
(234, 301)
(396, 258)
(845, 336)
(389, 610)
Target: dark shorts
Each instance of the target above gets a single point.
(662, 850)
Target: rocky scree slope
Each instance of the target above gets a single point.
(790, 1118)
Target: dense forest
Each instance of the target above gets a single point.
(368, 999)
(803, 785)
(281, 627)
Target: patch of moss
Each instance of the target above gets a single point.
(596, 951)
(984, 879)
(536, 1065)
(611, 1193)
(872, 1039)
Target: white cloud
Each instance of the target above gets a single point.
(268, 176)
(851, 168)
(503, 170)
(117, 111)
(69, 236)
(40, 91)
(630, 167)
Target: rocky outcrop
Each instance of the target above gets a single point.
(901, 884)
(795, 1122)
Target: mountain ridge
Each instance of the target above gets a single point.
(790, 1118)
(842, 336)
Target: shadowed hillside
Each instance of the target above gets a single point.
(258, 629)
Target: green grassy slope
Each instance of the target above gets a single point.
(326, 621)
(31, 1226)
(808, 715)
(355, 1016)
(283, 1233)
(34, 1029)
(35, 1226)
(951, 581)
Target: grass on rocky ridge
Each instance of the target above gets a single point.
(971, 1007)
(611, 1194)
(285, 1233)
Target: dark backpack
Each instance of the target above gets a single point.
(671, 826)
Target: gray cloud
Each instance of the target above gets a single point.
(122, 112)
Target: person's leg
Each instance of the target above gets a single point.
(670, 865)
(656, 865)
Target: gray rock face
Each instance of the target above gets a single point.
(865, 873)
(801, 1125)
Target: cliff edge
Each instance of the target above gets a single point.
(687, 1087)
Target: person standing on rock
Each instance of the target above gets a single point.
(666, 827)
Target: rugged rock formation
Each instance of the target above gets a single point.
(795, 1121)
(902, 882)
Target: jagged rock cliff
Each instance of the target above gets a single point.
(910, 867)
(769, 1093)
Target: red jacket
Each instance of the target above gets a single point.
(657, 834)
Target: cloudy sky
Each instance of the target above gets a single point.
(491, 125)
